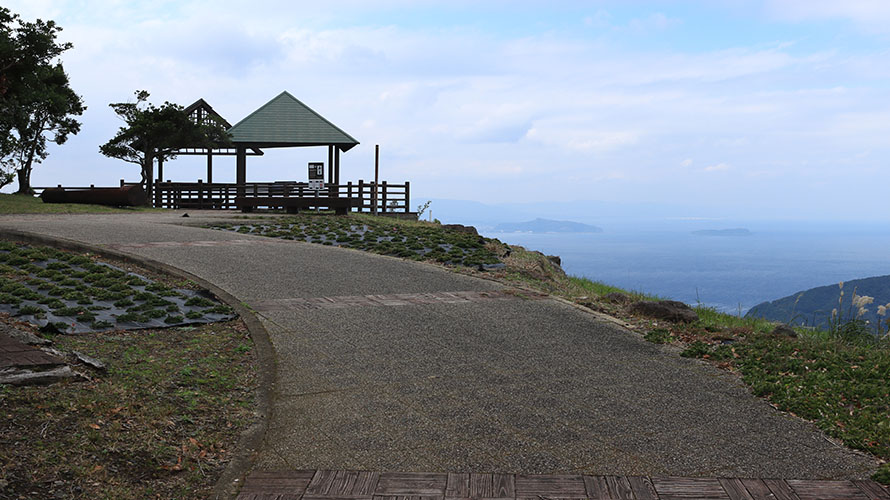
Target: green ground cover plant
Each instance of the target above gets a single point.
(843, 387)
(66, 292)
(162, 422)
(383, 235)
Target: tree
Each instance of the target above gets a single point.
(36, 101)
(156, 133)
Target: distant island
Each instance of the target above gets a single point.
(813, 307)
(546, 226)
(738, 231)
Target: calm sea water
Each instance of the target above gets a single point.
(730, 273)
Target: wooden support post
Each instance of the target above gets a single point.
(160, 168)
(383, 203)
(240, 170)
(361, 195)
(200, 194)
(330, 163)
(122, 183)
(336, 179)
(407, 197)
(376, 174)
(209, 168)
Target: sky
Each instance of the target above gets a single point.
(760, 109)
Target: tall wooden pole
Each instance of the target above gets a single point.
(209, 167)
(240, 171)
(330, 164)
(376, 174)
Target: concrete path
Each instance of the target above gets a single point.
(389, 365)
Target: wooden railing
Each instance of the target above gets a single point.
(222, 196)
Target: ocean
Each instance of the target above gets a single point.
(729, 273)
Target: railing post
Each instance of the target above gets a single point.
(122, 183)
(361, 195)
(376, 176)
(407, 196)
(200, 194)
(383, 205)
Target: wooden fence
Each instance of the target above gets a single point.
(392, 198)
(221, 196)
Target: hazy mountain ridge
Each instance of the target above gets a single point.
(737, 231)
(813, 307)
(546, 226)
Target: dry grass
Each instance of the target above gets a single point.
(162, 422)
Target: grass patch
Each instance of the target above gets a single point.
(841, 387)
(711, 318)
(27, 204)
(659, 336)
(161, 423)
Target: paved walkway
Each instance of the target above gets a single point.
(391, 366)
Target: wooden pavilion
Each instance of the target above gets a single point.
(282, 122)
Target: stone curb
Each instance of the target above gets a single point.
(251, 439)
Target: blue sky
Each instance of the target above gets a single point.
(758, 109)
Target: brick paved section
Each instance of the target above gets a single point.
(16, 354)
(393, 299)
(354, 485)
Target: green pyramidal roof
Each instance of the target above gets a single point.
(285, 121)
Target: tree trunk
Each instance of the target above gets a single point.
(147, 175)
(24, 173)
(24, 178)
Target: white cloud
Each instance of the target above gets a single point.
(654, 22)
(873, 15)
(572, 138)
(718, 167)
(451, 102)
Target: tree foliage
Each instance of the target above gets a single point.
(156, 132)
(36, 101)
